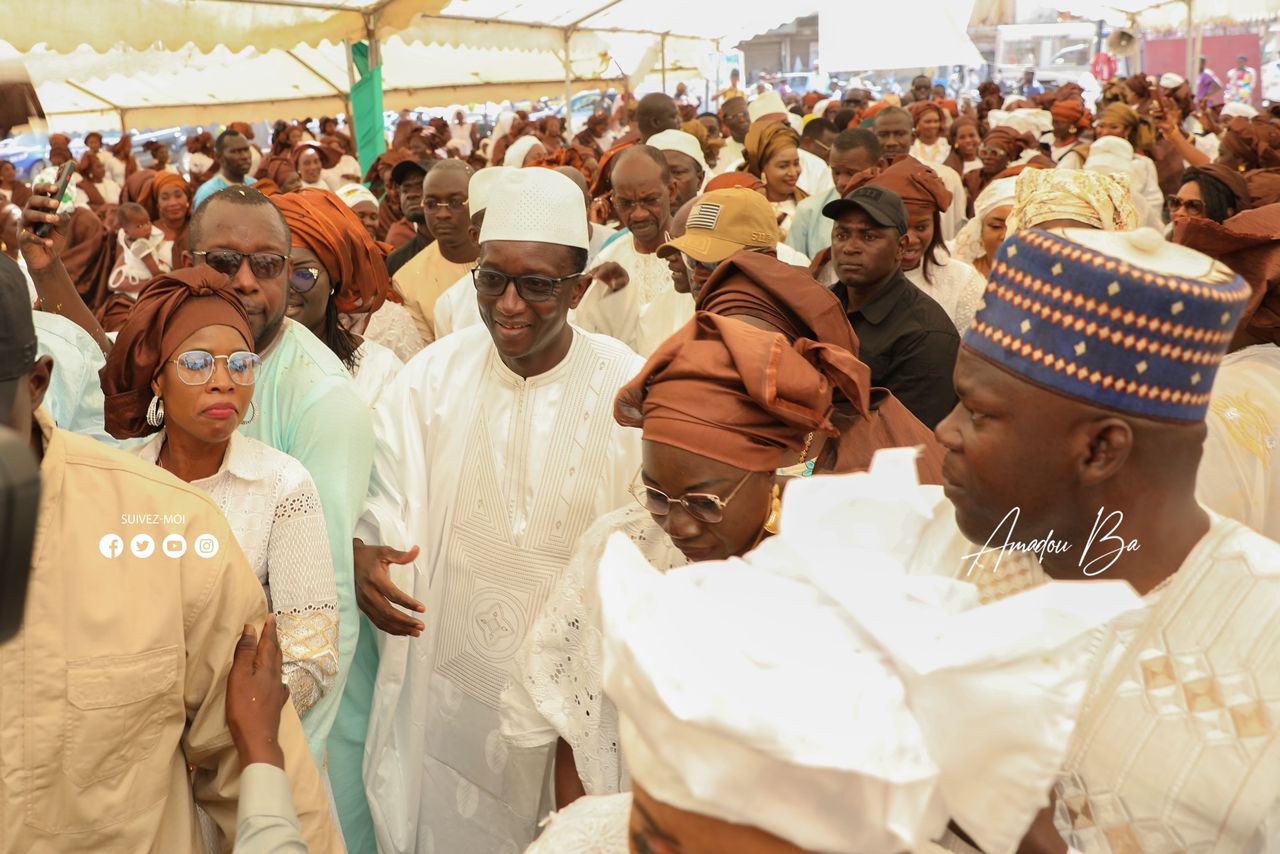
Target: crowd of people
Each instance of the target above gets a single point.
(818, 474)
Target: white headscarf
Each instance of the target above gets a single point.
(519, 150)
(501, 128)
(997, 194)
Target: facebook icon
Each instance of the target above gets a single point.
(111, 546)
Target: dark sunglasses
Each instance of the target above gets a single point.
(492, 283)
(1194, 207)
(263, 265)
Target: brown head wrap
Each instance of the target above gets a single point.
(1229, 178)
(731, 392)
(1072, 112)
(1248, 243)
(988, 88)
(1139, 85)
(734, 179)
(123, 149)
(1255, 142)
(243, 128)
(919, 108)
(168, 311)
(273, 167)
(150, 196)
(59, 139)
(919, 186)
(958, 125)
(200, 143)
(1009, 140)
(1138, 129)
(328, 157)
(764, 140)
(357, 267)
(135, 184)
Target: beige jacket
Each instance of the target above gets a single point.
(117, 682)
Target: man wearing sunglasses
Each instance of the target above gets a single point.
(113, 690)
(496, 449)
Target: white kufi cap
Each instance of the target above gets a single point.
(901, 703)
(1169, 80)
(678, 140)
(538, 205)
(766, 105)
(482, 185)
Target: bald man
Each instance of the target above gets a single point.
(655, 113)
(429, 274)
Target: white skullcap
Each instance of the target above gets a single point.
(1169, 80)
(519, 150)
(902, 703)
(1234, 109)
(538, 205)
(820, 108)
(969, 247)
(1110, 155)
(1032, 121)
(766, 105)
(354, 194)
(482, 184)
(678, 140)
(796, 122)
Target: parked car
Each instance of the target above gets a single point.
(29, 152)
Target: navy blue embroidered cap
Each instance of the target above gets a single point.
(1121, 320)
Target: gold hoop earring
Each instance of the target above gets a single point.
(774, 520)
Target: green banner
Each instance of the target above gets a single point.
(366, 106)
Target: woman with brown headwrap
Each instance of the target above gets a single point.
(931, 144)
(1000, 147)
(337, 268)
(280, 172)
(926, 261)
(964, 138)
(1070, 117)
(160, 156)
(771, 152)
(1238, 475)
(11, 189)
(1209, 192)
(103, 194)
(202, 163)
(310, 160)
(723, 406)
(1250, 144)
(184, 370)
(345, 169)
(710, 146)
(121, 164)
(1125, 122)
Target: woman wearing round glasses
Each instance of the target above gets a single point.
(724, 406)
(183, 371)
(337, 267)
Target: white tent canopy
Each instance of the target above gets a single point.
(1170, 14)
(160, 73)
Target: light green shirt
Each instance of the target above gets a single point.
(307, 406)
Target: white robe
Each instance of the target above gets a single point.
(644, 313)
(495, 477)
(1240, 471)
(954, 285)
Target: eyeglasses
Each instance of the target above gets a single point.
(303, 279)
(263, 265)
(195, 367)
(1194, 207)
(455, 205)
(703, 506)
(692, 263)
(493, 283)
(628, 205)
(990, 151)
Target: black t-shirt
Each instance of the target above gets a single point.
(401, 256)
(910, 344)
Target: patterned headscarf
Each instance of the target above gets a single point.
(1092, 198)
(322, 222)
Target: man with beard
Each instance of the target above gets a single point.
(407, 177)
(429, 274)
(648, 309)
(235, 158)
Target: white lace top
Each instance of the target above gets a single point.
(590, 825)
(271, 504)
(955, 285)
(391, 326)
(556, 688)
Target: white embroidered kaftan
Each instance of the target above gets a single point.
(644, 313)
(557, 680)
(495, 477)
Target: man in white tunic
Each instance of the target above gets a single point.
(496, 449)
(1083, 389)
(648, 309)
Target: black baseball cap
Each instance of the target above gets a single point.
(883, 206)
(402, 170)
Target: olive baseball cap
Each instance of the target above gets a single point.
(883, 206)
(724, 222)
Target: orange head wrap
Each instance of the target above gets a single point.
(328, 156)
(149, 198)
(1009, 140)
(734, 179)
(734, 393)
(357, 267)
(168, 311)
(919, 108)
(243, 128)
(1072, 112)
(919, 186)
(764, 140)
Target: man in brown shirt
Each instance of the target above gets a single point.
(112, 695)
